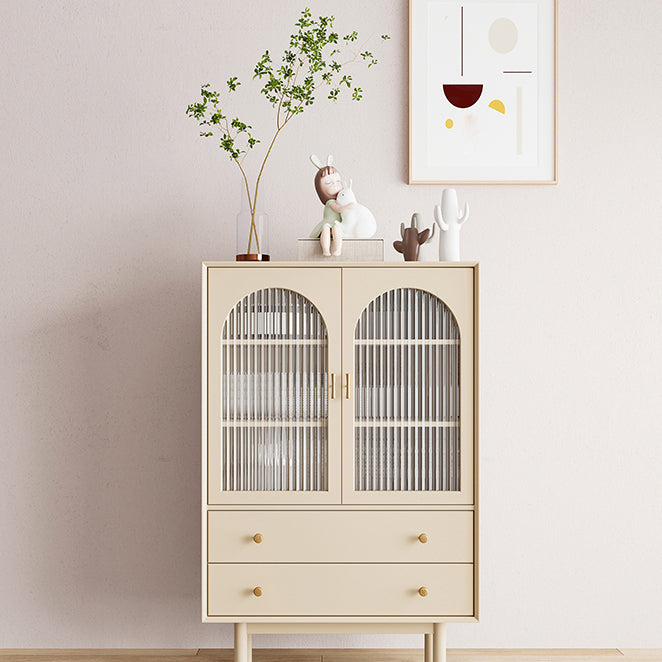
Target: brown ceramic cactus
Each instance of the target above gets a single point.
(412, 239)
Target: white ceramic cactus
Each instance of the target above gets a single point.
(450, 220)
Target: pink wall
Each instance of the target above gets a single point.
(108, 204)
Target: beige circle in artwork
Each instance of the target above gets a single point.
(503, 35)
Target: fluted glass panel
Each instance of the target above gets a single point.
(407, 394)
(274, 395)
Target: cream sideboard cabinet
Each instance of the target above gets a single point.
(340, 448)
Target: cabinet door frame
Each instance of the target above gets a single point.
(223, 288)
(455, 287)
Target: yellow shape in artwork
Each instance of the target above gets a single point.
(449, 124)
(498, 105)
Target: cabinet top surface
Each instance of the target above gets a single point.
(339, 265)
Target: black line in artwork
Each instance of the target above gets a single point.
(462, 40)
(518, 72)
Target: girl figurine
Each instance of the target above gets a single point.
(328, 183)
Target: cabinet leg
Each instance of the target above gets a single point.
(250, 647)
(428, 648)
(240, 642)
(439, 642)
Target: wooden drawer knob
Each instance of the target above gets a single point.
(423, 537)
(257, 591)
(423, 592)
(258, 538)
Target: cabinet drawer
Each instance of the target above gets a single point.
(334, 536)
(340, 589)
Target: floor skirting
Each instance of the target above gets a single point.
(329, 655)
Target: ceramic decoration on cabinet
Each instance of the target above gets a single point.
(340, 487)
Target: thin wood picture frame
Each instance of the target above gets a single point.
(483, 102)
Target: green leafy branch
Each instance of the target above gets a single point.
(313, 59)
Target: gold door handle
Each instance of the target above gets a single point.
(258, 538)
(423, 537)
(348, 392)
(257, 591)
(423, 592)
(333, 386)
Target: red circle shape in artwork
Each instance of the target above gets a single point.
(463, 96)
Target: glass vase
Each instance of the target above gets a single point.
(252, 236)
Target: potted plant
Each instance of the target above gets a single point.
(315, 59)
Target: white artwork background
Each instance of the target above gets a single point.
(482, 143)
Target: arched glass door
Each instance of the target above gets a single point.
(407, 394)
(274, 395)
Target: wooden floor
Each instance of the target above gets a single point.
(329, 655)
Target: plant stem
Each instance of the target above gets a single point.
(264, 162)
(252, 207)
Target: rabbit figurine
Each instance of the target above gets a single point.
(357, 221)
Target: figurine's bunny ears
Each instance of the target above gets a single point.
(318, 163)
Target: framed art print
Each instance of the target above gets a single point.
(482, 91)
